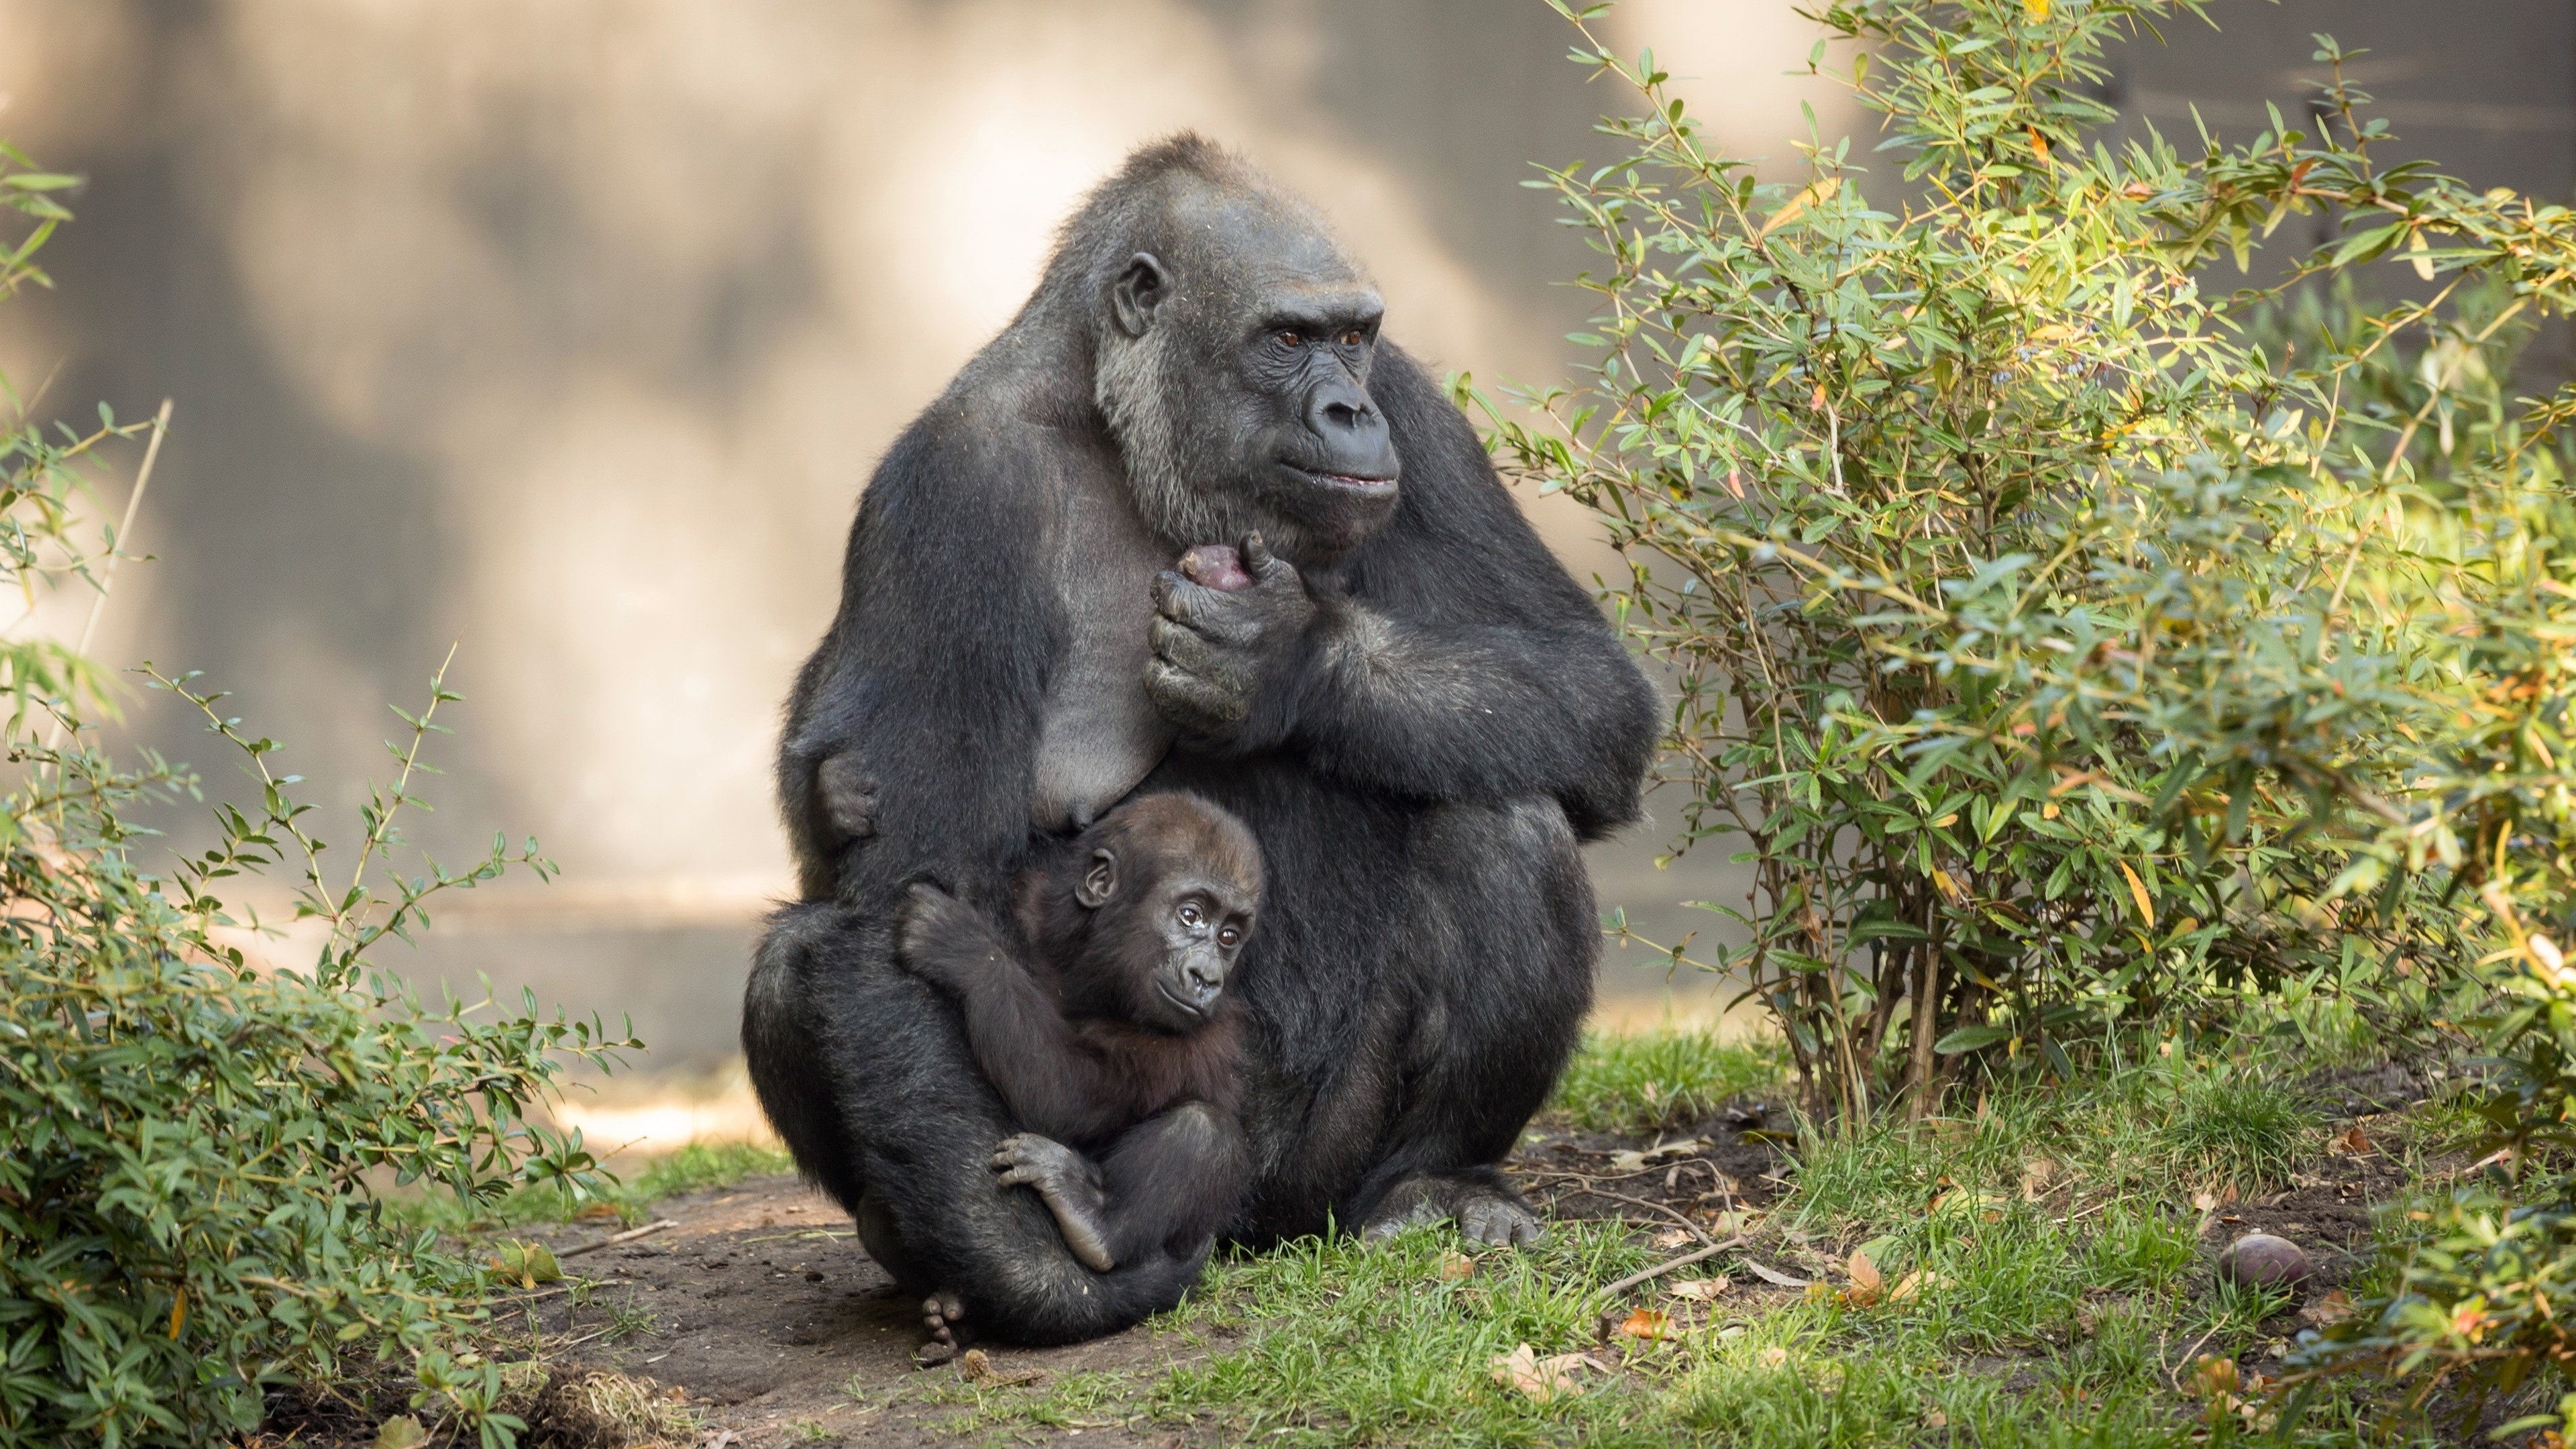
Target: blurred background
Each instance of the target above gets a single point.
(570, 332)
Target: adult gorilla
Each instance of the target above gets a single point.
(1415, 709)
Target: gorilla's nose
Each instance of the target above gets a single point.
(1352, 431)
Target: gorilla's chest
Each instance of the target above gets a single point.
(1099, 734)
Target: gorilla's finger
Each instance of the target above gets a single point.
(1189, 700)
(1180, 647)
(1177, 598)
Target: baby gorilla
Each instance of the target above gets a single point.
(1109, 1036)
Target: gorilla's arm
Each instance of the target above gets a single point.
(1452, 659)
(911, 733)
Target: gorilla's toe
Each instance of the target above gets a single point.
(944, 1314)
(1485, 1212)
(1500, 1221)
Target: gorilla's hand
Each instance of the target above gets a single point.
(1216, 649)
(941, 939)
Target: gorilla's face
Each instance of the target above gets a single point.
(1235, 373)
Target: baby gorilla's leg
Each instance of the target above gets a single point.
(1068, 1184)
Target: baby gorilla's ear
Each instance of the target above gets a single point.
(1098, 883)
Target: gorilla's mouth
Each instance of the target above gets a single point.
(1188, 1007)
(1347, 482)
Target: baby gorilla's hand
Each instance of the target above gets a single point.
(941, 939)
(1068, 1184)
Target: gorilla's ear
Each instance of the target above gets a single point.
(1100, 882)
(1140, 289)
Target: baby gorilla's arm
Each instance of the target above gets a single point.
(1018, 1036)
(1168, 1186)
(1068, 1184)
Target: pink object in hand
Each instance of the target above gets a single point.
(1215, 566)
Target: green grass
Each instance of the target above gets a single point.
(1654, 1080)
(694, 1168)
(2062, 1286)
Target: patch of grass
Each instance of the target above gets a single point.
(2224, 1128)
(2056, 1289)
(698, 1167)
(1653, 1080)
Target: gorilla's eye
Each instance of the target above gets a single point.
(1230, 937)
(1292, 338)
(1191, 915)
(1353, 338)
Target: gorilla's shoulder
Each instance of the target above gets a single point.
(996, 436)
(1442, 455)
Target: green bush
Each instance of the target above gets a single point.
(2059, 653)
(191, 1194)
(2075, 637)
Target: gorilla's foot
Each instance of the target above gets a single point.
(1485, 1211)
(944, 1314)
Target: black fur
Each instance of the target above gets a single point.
(1418, 772)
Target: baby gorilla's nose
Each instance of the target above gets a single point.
(1204, 980)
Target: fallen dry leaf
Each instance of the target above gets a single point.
(2352, 1140)
(1774, 1275)
(977, 1366)
(1538, 1379)
(1456, 1267)
(402, 1431)
(2334, 1307)
(2214, 1375)
(1647, 1324)
(1774, 1356)
(1701, 1290)
(1866, 1284)
(1910, 1285)
(2036, 1175)
(1635, 1161)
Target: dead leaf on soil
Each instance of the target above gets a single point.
(1911, 1285)
(2334, 1307)
(1774, 1275)
(1637, 1161)
(1866, 1284)
(598, 1212)
(2036, 1175)
(1701, 1290)
(1774, 1357)
(402, 1431)
(2214, 1376)
(1456, 1267)
(1647, 1324)
(2352, 1140)
(1538, 1379)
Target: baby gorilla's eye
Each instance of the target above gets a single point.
(1353, 338)
(1191, 915)
(1230, 936)
(1292, 338)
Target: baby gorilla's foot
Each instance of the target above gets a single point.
(1068, 1184)
(944, 1314)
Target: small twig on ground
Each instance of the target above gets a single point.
(1695, 1230)
(1660, 1269)
(628, 1236)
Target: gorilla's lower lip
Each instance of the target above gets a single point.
(1183, 1002)
(1348, 482)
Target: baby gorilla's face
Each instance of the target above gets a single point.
(1192, 926)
